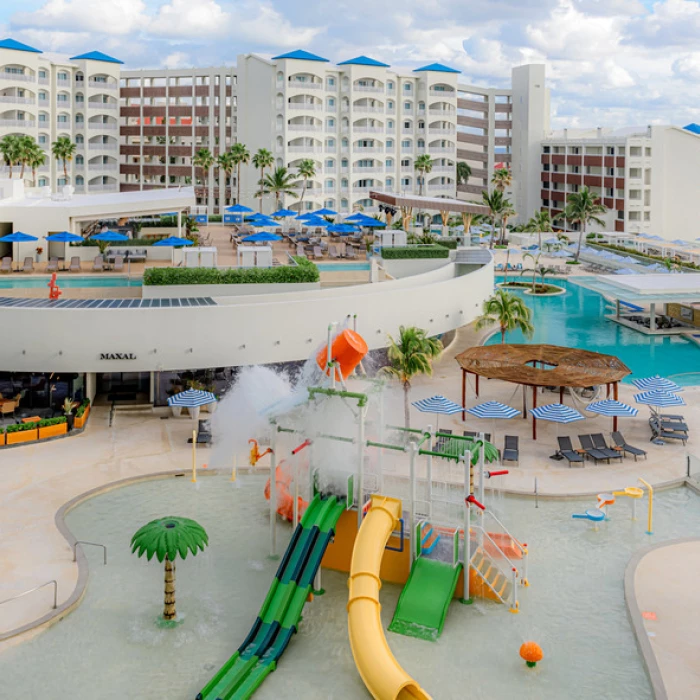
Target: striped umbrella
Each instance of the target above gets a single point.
(555, 413)
(192, 399)
(657, 383)
(659, 399)
(611, 407)
(494, 410)
(438, 405)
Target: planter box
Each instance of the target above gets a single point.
(22, 436)
(53, 431)
(80, 422)
(2, 438)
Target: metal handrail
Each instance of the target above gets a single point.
(31, 590)
(522, 549)
(511, 564)
(94, 544)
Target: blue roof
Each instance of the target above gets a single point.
(694, 128)
(438, 68)
(301, 55)
(96, 56)
(364, 61)
(12, 44)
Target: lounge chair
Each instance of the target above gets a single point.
(659, 432)
(75, 264)
(499, 267)
(333, 252)
(567, 451)
(674, 424)
(6, 265)
(511, 452)
(620, 441)
(590, 450)
(118, 264)
(28, 265)
(98, 264)
(600, 444)
(52, 265)
(300, 250)
(318, 253)
(350, 253)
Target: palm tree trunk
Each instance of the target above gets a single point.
(580, 237)
(238, 183)
(262, 178)
(33, 176)
(406, 405)
(169, 603)
(301, 199)
(493, 226)
(65, 170)
(503, 335)
(21, 172)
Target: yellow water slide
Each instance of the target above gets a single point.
(380, 671)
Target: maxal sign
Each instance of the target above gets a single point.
(117, 356)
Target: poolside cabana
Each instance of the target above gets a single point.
(541, 366)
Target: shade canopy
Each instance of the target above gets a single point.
(316, 221)
(518, 363)
(613, 408)
(657, 383)
(660, 399)
(264, 222)
(18, 237)
(109, 236)
(283, 213)
(371, 223)
(191, 398)
(64, 237)
(556, 413)
(342, 228)
(305, 215)
(173, 241)
(493, 409)
(262, 237)
(238, 209)
(325, 212)
(438, 404)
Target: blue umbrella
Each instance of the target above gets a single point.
(614, 409)
(372, 223)
(438, 405)
(306, 215)
(263, 222)
(660, 399)
(678, 241)
(173, 241)
(109, 236)
(357, 215)
(342, 229)
(18, 237)
(238, 209)
(64, 237)
(283, 213)
(657, 383)
(556, 413)
(325, 212)
(625, 271)
(262, 237)
(316, 221)
(561, 254)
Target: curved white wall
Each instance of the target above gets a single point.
(238, 331)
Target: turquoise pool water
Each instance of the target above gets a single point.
(68, 281)
(343, 267)
(577, 319)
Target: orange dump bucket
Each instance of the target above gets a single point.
(347, 350)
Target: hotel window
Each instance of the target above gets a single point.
(390, 143)
(62, 119)
(14, 70)
(390, 85)
(79, 119)
(546, 167)
(43, 139)
(406, 143)
(405, 163)
(390, 124)
(42, 74)
(62, 98)
(79, 160)
(330, 143)
(62, 75)
(421, 125)
(647, 152)
(43, 95)
(421, 143)
(331, 82)
(330, 122)
(79, 139)
(390, 105)
(545, 202)
(331, 101)
(80, 98)
(407, 125)
(62, 181)
(405, 182)
(344, 163)
(330, 163)
(610, 150)
(389, 162)
(42, 182)
(407, 87)
(390, 182)
(609, 192)
(407, 106)
(330, 184)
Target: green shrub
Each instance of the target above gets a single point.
(415, 252)
(215, 218)
(46, 422)
(21, 427)
(449, 243)
(132, 243)
(305, 271)
(81, 409)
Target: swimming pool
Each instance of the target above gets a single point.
(574, 609)
(577, 319)
(343, 267)
(68, 281)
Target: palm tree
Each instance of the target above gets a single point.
(502, 179)
(495, 201)
(261, 160)
(539, 223)
(166, 538)
(10, 150)
(464, 172)
(412, 355)
(279, 182)
(423, 166)
(508, 311)
(506, 213)
(25, 147)
(35, 160)
(204, 159)
(583, 207)
(241, 156)
(226, 163)
(305, 170)
(63, 149)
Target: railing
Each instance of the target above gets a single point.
(305, 149)
(38, 588)
(102, 125)
(368, 169)
(366, 190)
(442, 112)
(304, 127)
(102, 146)
(441, 149)
(443, 169)
(369, 149)
(100, 84)
(12, 99)
(63, 82)
(103, 166)
(522, 548)
(505, 566)
(367, 88)
(437, 131)
(92, 104)
(6, 75)
(103, 188)
(92, 544)
(307, 105)
(17, 122)
(367, 109)
(368, 129)
(303, 85)
(449, 94)
(434, 187)
(43, 81)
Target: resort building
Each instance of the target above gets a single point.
(48, 96)
(645, 177)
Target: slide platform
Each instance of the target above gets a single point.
(281, 611)
(425, 599)
(380, 671)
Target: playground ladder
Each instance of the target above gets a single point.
(499, 573)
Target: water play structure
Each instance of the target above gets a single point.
(380, 503)
(605, 500)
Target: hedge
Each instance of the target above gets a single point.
(645, 256)
(304, 271)
(44, 423)
(81, 409)
(414, 251)
(449, 243)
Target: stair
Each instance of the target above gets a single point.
(488, 571)
(428, 538)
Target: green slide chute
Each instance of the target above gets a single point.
(423, 604)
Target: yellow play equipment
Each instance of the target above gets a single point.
(380, 671)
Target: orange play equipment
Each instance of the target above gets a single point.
(255, 454)
(347, 350)
(54, 289)
(285, 500)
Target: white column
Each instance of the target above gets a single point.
(179, 224)
(412, 452)
(652, 317)
(273, 492)
(360, 461)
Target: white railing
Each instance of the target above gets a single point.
(505, 567)
(442, 113)
(43, 81)
(408, 168)
(367, 88)
(437, 131)
(371, 110)
(441, 149)
(100, 84)
(306, 105)
(391, 130)
(102, 126)
(66, 126)
(103, 166)
(447, 94)
(406, 149)
(443, 169)
(92, 104)
(331, 149)
(63, 82)
(435, 187)
(103, 188)
(366, 190)
(304, 127)
(17, 76)
(369, 149)
(102, 146)
(329, 190)
(13, 99)
(26, 123)
(369, 169)
(303, 85)
(43, 101)
(305, 149)
(368, 129)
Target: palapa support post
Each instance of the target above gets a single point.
(464, 395)
(561, 394)
(534, 420)
(615, 387)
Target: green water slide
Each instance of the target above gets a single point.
(281, 610)
(423, 604)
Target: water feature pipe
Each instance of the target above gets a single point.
(299, 448)
(386, 446)
(361, 398)
(467, 534)
(429, 470)
(650, 531)
(381, 439)
(412, 453)
(361, 457)
(273, 494)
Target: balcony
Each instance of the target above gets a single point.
(101, 84)
(102, 126)
(19, 77)
(441, 149)
(367, 190)
(441, 187)
(43, 81)
(444, 113)
(447, 94)
(12, 99)
(368, 88)
(103, 188)
(63, 125)
(103, 146)
(368, 169)
(102, 105)
(329, 190)
(368, 129)
(440, 131)
(305, 149)
(445, 169)
(368, 149)
(103, 166)
(368, 110)
(304, 127)
(306, 106)
(304, 85)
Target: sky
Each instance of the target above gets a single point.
(610, 63)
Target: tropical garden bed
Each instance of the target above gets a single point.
(45, 429)
(539, 290)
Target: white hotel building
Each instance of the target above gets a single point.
(48, 96)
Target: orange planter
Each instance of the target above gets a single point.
(80, 422)
(2, 438)
(53, 431)
(23, 436)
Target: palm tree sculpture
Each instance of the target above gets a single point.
(261, 160)
(10, 150)
(63, 149)
(583, 207)
(226, 163)
(412, 355)
(502, 179)
(279, 182)
(35, 160)
(495, 201)
(166, 538)
(305, 170)
(204, 159)
(241, 156)
(540, 223)
(464, 172)
(508, 311)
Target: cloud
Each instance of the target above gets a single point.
(180, 18)
(177, 59)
